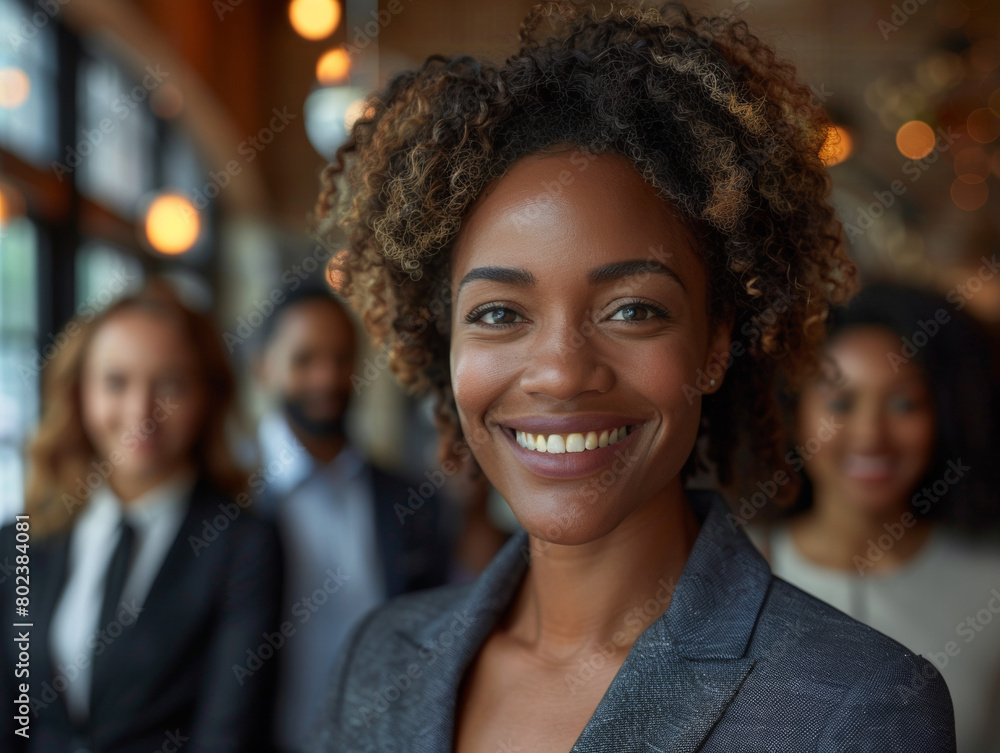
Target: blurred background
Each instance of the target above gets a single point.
(186, 137)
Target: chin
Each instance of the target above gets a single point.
(567, 524)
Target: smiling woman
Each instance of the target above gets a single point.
(604, 215)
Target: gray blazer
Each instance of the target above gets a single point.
(740, 661)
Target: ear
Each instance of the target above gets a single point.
(718, 358)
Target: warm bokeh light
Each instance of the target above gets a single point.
(12, 204)
(985, 55)
(837, 147)
(15, 86)
(314, 19)
(969, 196)
(972, 164)
(333, 67)
(915, 139)
(994, 101)
(355, 110)
(995, 162)
(172, 224)
(983, 125)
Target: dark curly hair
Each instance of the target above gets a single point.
(707, 115)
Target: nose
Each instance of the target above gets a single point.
(565, 361)
(867, 427)
(140, 404)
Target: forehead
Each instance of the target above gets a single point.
(870, 357)
(315, 322)
(140, 339)
(572, 211)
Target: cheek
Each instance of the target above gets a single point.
(915, 435)
(186, 422)
(98, 412)
(478, 377)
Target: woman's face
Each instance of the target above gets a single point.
(579, 315)
(143, 402)
(885, 418)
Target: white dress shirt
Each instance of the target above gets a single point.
(333, 570)
(156, 517)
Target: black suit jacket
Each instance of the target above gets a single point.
(182, 674)
(414, 545)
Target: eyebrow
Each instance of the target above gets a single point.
(507, 275)
(523, 278)
(622, 269)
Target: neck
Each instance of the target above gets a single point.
(129, 488)
(607, 591)
(834, 532)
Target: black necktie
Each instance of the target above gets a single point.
(114, 582)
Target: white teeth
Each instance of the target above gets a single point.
(558, 444)
(554, 443)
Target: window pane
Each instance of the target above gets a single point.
(21, 362)
(28, 45)
(117, 137)
(103, 274)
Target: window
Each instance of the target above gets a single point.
(22, 358)
(117, 137)
(28, 45)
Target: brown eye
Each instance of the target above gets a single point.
(495, 316)
(638, 312)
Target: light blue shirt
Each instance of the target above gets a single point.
(333, 570)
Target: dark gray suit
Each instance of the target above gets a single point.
(740, 661)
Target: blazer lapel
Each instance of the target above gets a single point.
(168, 584)
(675, 684)
(686, 667)
(445, 648)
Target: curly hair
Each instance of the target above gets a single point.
(706, 113)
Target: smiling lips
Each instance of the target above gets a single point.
(576, 442)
